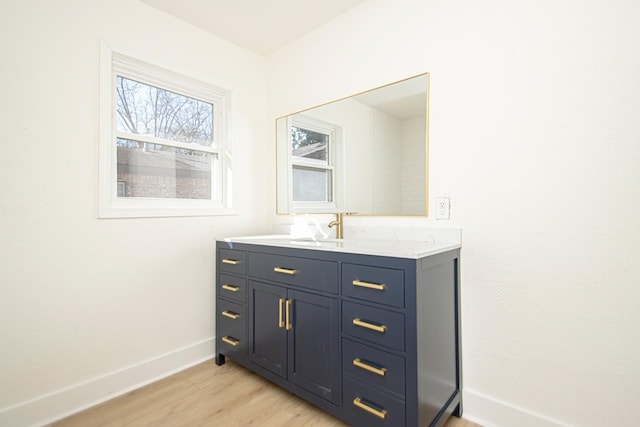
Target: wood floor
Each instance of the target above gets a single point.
(210, 395)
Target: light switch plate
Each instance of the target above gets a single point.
(443, 207)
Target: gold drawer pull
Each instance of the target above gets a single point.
(289, 325)
(360, 404)
(360, 364)
(230, 288)
(231, 341)
(376, 286)
(285, 271)
(230, 261)
(230, 314)
(280, 319)
(367, 325)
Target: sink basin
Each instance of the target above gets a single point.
(317, 242)
(316, 239)
(290, 238)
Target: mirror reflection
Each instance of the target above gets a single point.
(366, 153)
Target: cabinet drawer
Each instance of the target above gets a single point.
(232, 261)
(374, 324)
(366, 406)
(231, 344)
(233, 287)
(303, 272)
(232, 319)
(232, 326)
(373, 367)
(376, 284)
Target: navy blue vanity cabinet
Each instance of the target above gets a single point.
(231, 305)
(373, 340)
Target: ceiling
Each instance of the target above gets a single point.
(261, 26)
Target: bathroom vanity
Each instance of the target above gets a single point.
(369, 331)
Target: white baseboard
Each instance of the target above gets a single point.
(61, 403)
(490, 412)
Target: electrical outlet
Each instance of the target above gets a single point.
(443, 207)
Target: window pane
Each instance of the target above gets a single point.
(309, 146)
(311, 185)
(148, 110)
(160, 171)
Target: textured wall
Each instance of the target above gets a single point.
(535, 137)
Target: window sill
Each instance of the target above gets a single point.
(163, 212)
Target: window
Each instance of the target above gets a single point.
(313, 154)
(164, 142)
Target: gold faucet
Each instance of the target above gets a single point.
(339, 221)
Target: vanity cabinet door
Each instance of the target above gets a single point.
(267, 334)
(296, 336)
(314, 353)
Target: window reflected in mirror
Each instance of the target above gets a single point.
(311, 162)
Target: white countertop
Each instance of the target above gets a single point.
(384, 247)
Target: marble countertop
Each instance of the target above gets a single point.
(384, 247)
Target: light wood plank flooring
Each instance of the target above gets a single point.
(210, 395)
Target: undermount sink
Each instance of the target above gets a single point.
(326, 242)
(317, 239)
(317, 242)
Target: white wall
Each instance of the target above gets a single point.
(90, 306)
(535, 136)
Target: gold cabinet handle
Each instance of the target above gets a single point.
(230, 314)
(367, 325)
(231, 341)
(360, 404)
(289, 326)
(378, 371)
(230, 261)
(288, 271)
(280, 319)
(231, 288)
(376, 286)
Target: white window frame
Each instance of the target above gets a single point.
(114, 64)
(334, 161)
